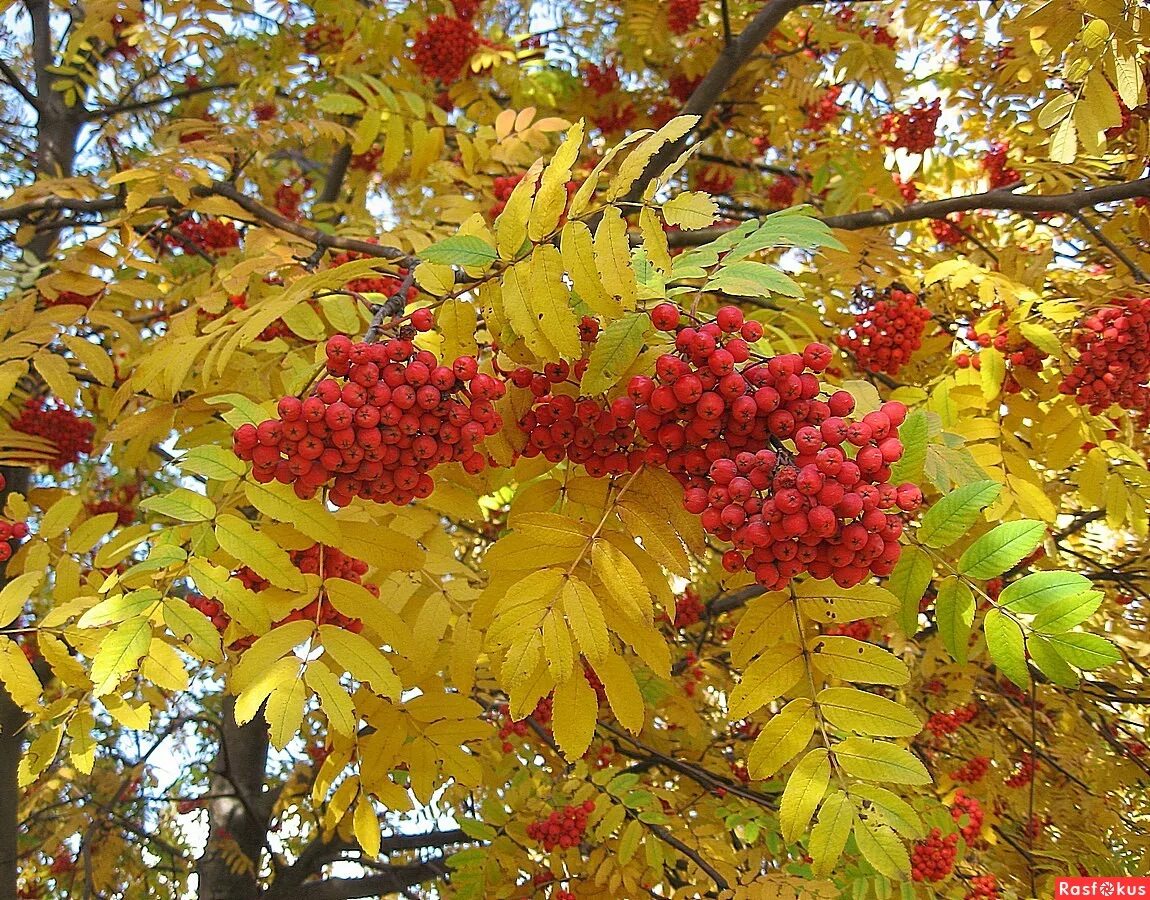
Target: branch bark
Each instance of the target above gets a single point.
(106, 112)
(17, 85)
(390, 882)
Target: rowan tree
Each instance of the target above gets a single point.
(578, 449)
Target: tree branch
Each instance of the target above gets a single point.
(1136, 270)
(1006, 200)
(106, 112)
(17, 85)
(390, 882)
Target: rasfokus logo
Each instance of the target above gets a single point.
(1102, 887)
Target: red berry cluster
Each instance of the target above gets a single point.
(600, 80)
(713, 180)
(971, 771)
(618, 117)
(563, 828)
(212, 609)
(602, 758)
(688, 609)
(781, 191)
(287, 200)
(507, 727)
(682, 15)
(70, 298)
(908, 189)
(374, 284)
(366, 161)
(663, 112)
(121, 501)
(681, 87)
(940, 724)
(396, 414)
(444, 47)
(1116, 131)
(466, 9)
(565, 895)
(209, 235)
(995, 166)
(265, 112)
(693, 673)
(881, 36)
(322, 38)
(824, 110)
(933, 859)
(886, 333)
(1023, 772)
(1113, 365)
(10, 531)
(69, 433)
(914, 129)
(947, 231)
(502, 187)
(860, 630)
(965, 805)
(982, 887)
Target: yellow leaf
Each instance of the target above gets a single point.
(575, 709)
(557, 646)
(829, 836)
(511, 225)
(252, 697)
(82, 740)
(456, 322)
(613, 259)
(579, 259)
(87, 533)
(851, 660)
(17, 675)
(551, 198)
(517, 305)
(54, 369)
(881, 847)
(654, 240)
(119, 654)
(279, 502)
(60, 515)
(825, 601)
(772, 674)
(284, 711)
(690, 211)
(39, 755)
(548, 301)
(585, 617)
(365, 824)
(333, 698)
(267, 649)
(181, 504)
(805, 788)
(622, 691)
(193, 629)
(92, 357)
(622, 580)
(15, 594)
(162, 666)
(243, 605)
(636, 162)
(853, 710)
(257, 551)
(786, 734)
(361, 659)
(880, 761)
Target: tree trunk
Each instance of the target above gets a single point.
(239, 811)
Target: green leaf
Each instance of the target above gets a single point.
(1000, 548)
(829, 836)
(1007, 646)
(914, 434)
(785, 734)
(181, 504)
(853, 710)
(880, 761)
(460, 250)
(1064, 614)
(951, 517)
(615, 352)
(752, 279)
(340, 104)
(954, 614)
(1049, 663)
(890, 809)
(881, 847)
(1032, 593)
(908, 582)
(1085, 651)
(805, 788)
(213, 462)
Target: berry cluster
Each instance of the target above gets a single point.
(618, 117)
(688, 609)
(71, 298)
(502, 187)
(860, 630)
(1023, 772)
(507, 727)
(287, 200)
(907, 189)
(663, 112)
(693, 673)
(994, 164)
(940, 724)
(965, 805)
(713, 180)
(388, 285)
(322, 38)
(971, 771)
(948, 231)
(886, 333)
(681, 87)
(824, 110)
(881, 36)
(386, 415)
(1113, 365)
(682, 15)
(10, 531)
(563, 828)
(212, 609)
(209, 235)
(69, 433)
(264, 112)
(913, 130)
(600, 80)
(444, 47)
(933, 859)
(781, 191)
(466, 9)
(366, 161)
(121, 501)
(1116, 131)
(982, 887)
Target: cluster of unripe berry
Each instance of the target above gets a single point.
(933, 858)
(824, 110)
(385, 416)
(682, 15)
(913, 130)
(995, 165)
(941, 724)
(965, 805)
(600, 80)
(70, 434)
(971, 771)
(444, 47)
(208, 235)
(1113, 364)
(10, 531)
(886, 333)
(563, 828)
